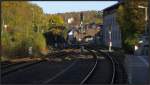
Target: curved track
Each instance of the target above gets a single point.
(77, 73)
(104, 72)
(119, 75)
(92, 70)
(81, 71)
(113, 66)
(84, 71)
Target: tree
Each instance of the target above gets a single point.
(131, 22)
(55, 20)
(55, 24)
(5, 42)
(21, 18)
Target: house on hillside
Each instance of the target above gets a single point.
(92, 34)
(71, 39)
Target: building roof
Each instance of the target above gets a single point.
(113, 6)
(111, 9)
(120, 1)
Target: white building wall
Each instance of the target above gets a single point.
(116, 33)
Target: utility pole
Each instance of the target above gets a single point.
(146, 17)
(33, 20)
(147, 31)
(3, 26)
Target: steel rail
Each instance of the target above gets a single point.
(114, 69)
(69, 67)
(91, 71)
(24, 65)
(61, 72)
(113, 65)
(10, 65)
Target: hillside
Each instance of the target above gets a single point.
(88, 16)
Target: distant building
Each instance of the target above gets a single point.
(110, 22)
(71, 39)
(91, 34)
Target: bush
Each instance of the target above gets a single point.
(18, 43)
(6, 44)
(13, 45)
(39, 44)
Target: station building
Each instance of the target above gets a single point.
(110, 24)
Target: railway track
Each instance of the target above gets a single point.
(80, 71)
(113, 66)
(98, 70)
(71, 74)
(92, 70)
(8, 65)
(10, 68)
(119, 73)
(67, 76)
(15, 67)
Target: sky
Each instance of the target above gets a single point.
(53, 7)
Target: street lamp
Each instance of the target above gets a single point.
(5, 28)
(141, 41)
(146, 16)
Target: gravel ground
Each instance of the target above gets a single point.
(36, 73)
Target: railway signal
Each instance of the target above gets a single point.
(81, 16)
(82, 29)
(110, 42)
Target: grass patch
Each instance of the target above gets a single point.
(4, 58)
